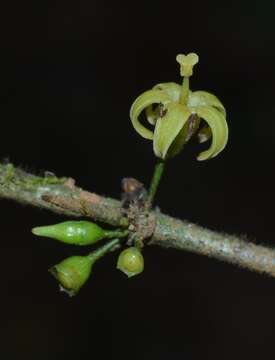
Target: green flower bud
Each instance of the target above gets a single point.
(176, 114)
(73, 272)
(76, 232)
(130, 261)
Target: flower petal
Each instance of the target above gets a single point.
(168, 127)
(204, 98)
(186, 133)
(173, 90)
(142, 102)
(218, 125)
(152, 114)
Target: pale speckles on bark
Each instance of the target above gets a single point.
(63, 197)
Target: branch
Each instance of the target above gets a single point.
(62, 196)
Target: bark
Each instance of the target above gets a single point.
(62, 196)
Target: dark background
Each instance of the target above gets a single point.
(69, 73)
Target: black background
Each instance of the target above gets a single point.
(69, 73)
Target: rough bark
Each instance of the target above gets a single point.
(62, 196)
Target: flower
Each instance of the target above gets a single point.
(177, 113)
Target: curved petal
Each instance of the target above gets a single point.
(204, 98)
(168, 127)
(142, 102)
(186, 133)
(173, 90)
(218, 125)
(152, 114)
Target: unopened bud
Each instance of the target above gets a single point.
(77, 232)
(72, 273)
(131, 261)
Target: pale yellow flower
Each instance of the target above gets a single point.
(177, 113)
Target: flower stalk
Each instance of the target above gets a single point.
(156, 178)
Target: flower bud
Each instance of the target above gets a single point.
(130, 261)
(72, 232)
(72, 273)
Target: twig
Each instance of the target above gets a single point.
(62, 196)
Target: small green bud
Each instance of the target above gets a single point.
(130, 261)
(72, 232)
(72, 273)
